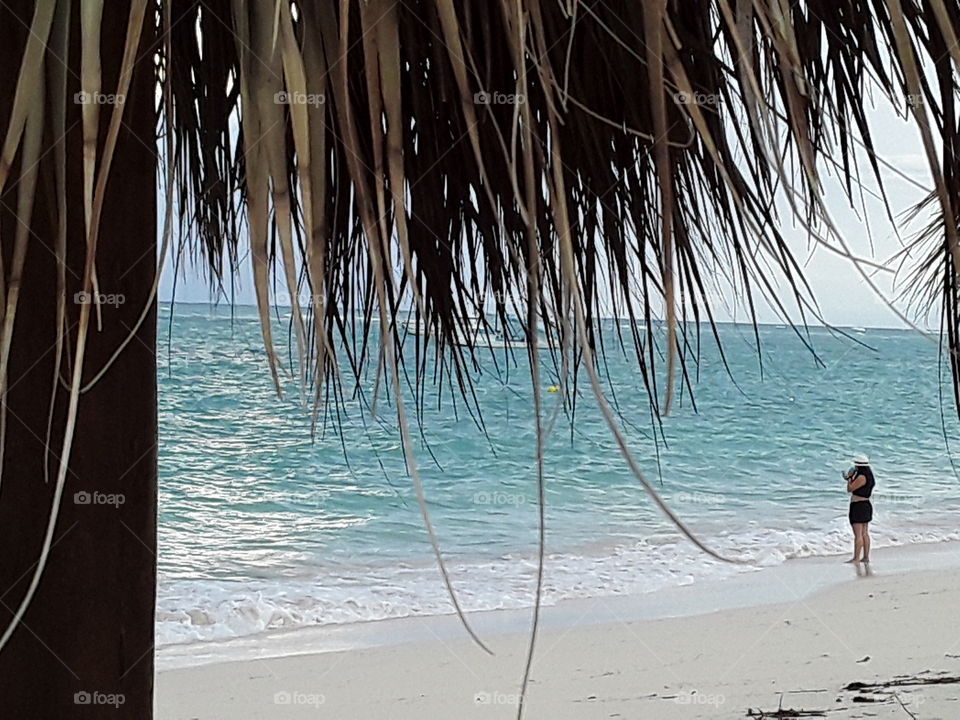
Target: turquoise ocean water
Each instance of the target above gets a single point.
(262, 528)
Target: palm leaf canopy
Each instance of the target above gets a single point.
(546, 160)
(540, 156)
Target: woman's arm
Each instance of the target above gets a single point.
(856, 483)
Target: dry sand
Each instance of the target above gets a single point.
(715, 665)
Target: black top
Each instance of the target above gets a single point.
(867, 488)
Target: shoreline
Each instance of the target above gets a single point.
(794, 579)
(712, 664)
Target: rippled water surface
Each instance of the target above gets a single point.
(263, 528)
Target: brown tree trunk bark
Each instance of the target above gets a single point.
(85, 646)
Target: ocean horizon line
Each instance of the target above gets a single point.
(741, 323)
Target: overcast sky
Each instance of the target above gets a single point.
(843, 295)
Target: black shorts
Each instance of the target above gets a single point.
(861, 512)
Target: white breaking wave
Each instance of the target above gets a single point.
(191, 611)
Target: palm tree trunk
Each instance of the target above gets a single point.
(85, 645)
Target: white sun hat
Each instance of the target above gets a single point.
(861, 459)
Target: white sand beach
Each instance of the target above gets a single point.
(870, 628)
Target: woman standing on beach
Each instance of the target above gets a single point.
(860, 482)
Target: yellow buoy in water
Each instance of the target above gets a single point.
(553, 388)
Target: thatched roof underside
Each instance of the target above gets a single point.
(459, 157)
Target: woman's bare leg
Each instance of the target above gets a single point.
(865, 541)
(857, 542)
